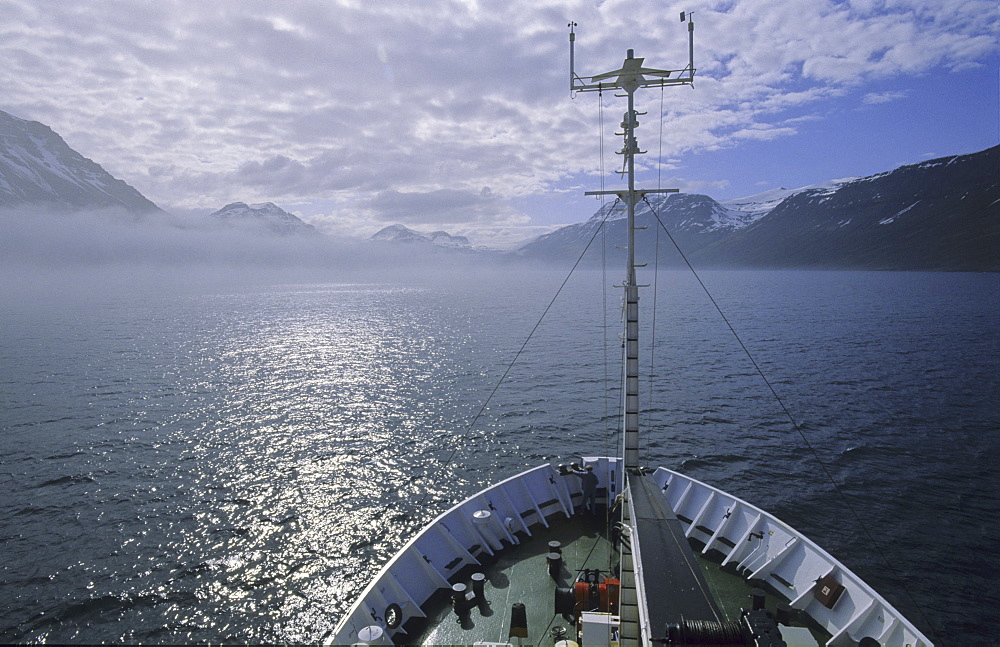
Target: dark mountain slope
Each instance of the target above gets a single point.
(938, 215)
(38, 169)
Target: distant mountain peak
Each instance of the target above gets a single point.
(401, 234)
(686, 212)
(37, 167)
(263, 216)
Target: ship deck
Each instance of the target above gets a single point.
(519, 573)
(500, 536)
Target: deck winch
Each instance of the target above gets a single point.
(755, 628)
(592, 591)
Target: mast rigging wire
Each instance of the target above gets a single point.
(496, 387)
(608, 431)
(604, 271)
(656, 259)
(795, 425)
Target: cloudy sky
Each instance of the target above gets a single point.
(456, 115)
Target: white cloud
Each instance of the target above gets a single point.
(874, 98)
(365, 106)
(439, 206)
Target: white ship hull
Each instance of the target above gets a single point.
(759, 546)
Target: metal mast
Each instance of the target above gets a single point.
(629, 78)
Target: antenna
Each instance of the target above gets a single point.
(572, 42)
(689, 17)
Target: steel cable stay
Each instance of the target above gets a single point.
(656, 258)
(826, 471)
(460, 443)
(609, 431)
(600, 230)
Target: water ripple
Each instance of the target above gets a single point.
(234, 466)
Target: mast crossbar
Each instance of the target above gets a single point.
(622, 193)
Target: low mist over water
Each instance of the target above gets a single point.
(215, 438)
(125, 249)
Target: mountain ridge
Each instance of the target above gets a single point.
(401, 234)
(940, 214)
(38, 168)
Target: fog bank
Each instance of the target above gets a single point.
(63, 254)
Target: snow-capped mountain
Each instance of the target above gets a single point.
(694, 220)
(758, 205)
(940, 214)
(401, 234)
(264, 217)
(38, 168)
(695, 212)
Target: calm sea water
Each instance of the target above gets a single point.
(232, 464)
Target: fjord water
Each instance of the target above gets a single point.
(233, 463)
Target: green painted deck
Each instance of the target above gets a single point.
(520, 574)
